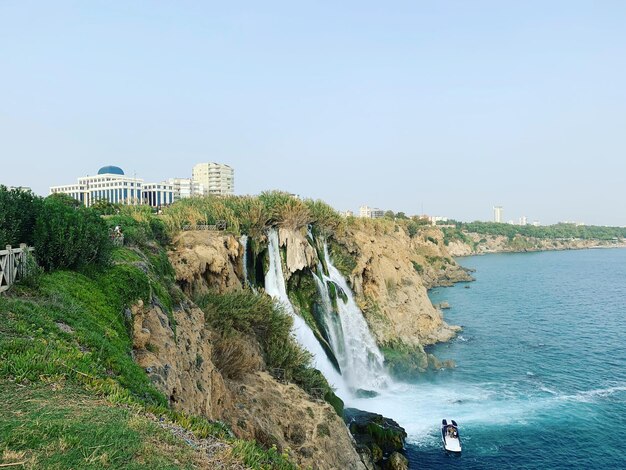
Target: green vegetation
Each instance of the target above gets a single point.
(451, 234)
(18, 215)
(557, 231)
(72, 331)
(404, 360)
(65, 234)
(418, 267)
(59, 426)
(341, 258)
(251, 215)
(258, 316)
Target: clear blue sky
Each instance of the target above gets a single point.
(452, 106)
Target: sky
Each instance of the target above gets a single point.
(439, 107)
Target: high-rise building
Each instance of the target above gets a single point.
(185, 188)
(216, 178)
(371, 213)
(497, 213)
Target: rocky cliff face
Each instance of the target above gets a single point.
(390, 279)
(283, 415)
(483, 244)
(299, 253)
(181, 364)
(256, 406)
(204, 260)
(389, 271)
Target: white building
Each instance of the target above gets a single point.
(110, 184)
(371, 213)
(216, 178)
(185, 188)
(433, 219)
(498, 212)
(157, 194)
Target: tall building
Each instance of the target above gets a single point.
(216, 178)
(185, 188)
(371, 213)
(112, 185)
(497, 213)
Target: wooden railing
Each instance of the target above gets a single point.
(13, 264)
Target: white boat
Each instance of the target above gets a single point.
(450, 436)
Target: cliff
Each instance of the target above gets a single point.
(478, 244)
(389, 272)
(389, 279)
(253, 403)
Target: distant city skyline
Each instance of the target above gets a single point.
(445, 108)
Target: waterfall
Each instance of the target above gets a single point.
(244, 242)
(359, 358)
(275, 287)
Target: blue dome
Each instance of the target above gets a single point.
(111, 170)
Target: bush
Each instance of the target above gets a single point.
(18, 215)
(71, 237)
(236, 313)
(233, 357)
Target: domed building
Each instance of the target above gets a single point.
(111, 184)
(111, 170)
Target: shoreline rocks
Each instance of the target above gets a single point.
(381, 438)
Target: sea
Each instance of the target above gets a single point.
(540, 377)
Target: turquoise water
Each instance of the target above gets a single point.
(541, 376)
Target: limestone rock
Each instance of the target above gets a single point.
(300, 254)
(382, 436)
(389, 288)
(180, 365)
(204, 259)
(285, 416)
(397, 461)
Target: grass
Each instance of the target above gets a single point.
(246, 313)
(72, 330)
(61, 426)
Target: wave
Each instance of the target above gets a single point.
(590, 396)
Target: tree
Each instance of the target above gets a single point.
(104, 207)
(390, 215)
(19, 210)
(68, 236)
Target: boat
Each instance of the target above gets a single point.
(450, 436)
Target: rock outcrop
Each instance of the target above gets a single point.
(300, 254)
(204, 260)
(381, 436)
(283, 415)
(482, 244)
(390, 288)
(180, 365)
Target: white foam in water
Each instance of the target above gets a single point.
(590, 396)
(275, 287)
(419, 408)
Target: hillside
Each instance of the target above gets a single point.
(174, 334)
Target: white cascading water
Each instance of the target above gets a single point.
(360, 360)
(275, 287)
(244, 242)
(332, 322)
